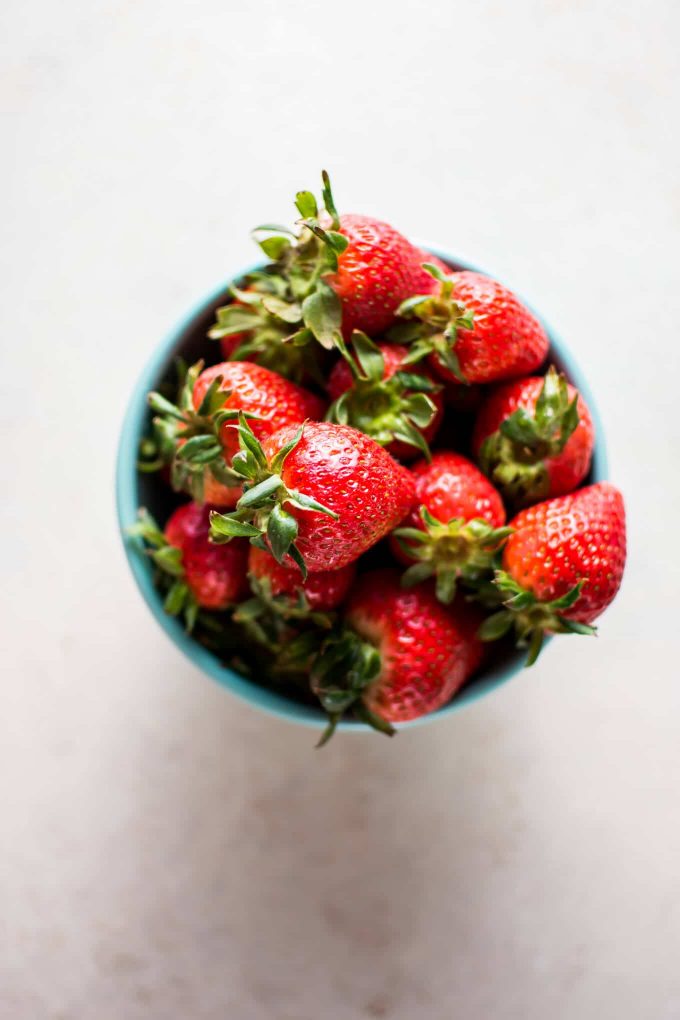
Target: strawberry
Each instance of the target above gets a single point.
(400, 655)
(211, 404)
(474, 329)
(337, 274)
(534, 438)
(378, 269)
(323, 493)
(455, 526)
(562, 566)
(322, 592)
(201, 575)
(400, 410)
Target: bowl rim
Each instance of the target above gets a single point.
(134, 426)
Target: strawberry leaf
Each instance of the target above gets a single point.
(282, 531)
(322, 314)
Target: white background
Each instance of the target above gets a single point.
(168, 852)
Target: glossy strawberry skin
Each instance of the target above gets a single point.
(350, 474)
(451, 486)
(378, 270)
(324, 591)
(428, 651)
(187, 526)
(565, 470)
(572, 538)
(257, 390)
(341, 380)
(506, 340)
(215, 574)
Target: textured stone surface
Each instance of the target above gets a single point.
(164, 850)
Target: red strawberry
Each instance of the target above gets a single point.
(322, 592)
(338, 274)
(401, 410)
(274, 401)
(377, 270)
(188, 526)
(402, 655)
(202, 575)
(474, 329)
(212, 402)
(534, 438)
(324, 493)
(215, 575)
(455, 526)
(562, 566)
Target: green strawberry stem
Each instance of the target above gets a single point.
(530, 618)
(168, 559)
(260, 514)
(345, 666)
(435, 321)
(385, 409)
(291, 303)
(455, 550)
(288, 607)
(157, 450)
(514, 457)
(199, 431)
(264, 319)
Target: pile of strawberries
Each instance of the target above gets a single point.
(380, 484)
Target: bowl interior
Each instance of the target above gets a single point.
(134, 490)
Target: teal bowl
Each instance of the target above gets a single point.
(134, 490)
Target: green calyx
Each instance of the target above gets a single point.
(157, 450)
(288, 606)
(198, 432)
(340, 673)
(449, 552)
(514, 457)
(291, 303)
(266, 320)
(391, 409)
(168, 559)
(530, 618)
(261, 514)
(435, 321)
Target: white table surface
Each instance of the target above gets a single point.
(167, 852)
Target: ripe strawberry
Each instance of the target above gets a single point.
(562, 566)
(401, 410)
(336, 275)
(377, 270)
(321, 593)
(202, 575)
(474, 329)
(401, 655)
(323, 493)
(534, 438)
(454, 527)
(210, 406)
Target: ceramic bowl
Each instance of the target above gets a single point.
(134, 490)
